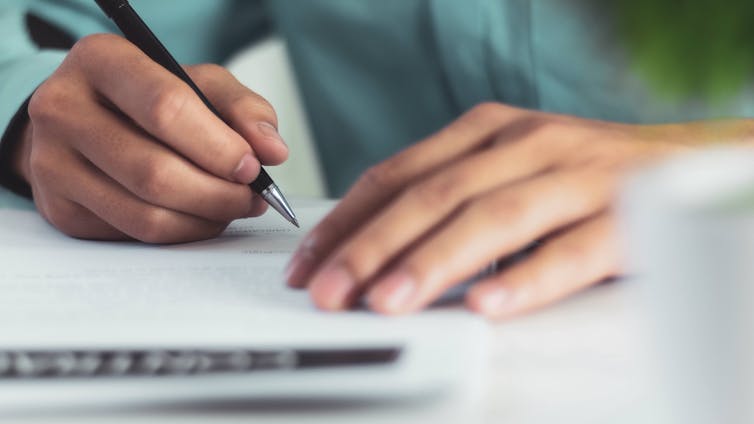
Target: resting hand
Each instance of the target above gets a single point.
(487, 186)
(119, 148)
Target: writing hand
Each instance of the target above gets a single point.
(119, 148)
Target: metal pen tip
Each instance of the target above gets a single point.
(275, 198)
(292, 219)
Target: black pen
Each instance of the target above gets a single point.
(137, 32)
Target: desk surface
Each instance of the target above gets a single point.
(582, 360)
(585, 360)
(579, 361)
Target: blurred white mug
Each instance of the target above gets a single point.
(689, 226)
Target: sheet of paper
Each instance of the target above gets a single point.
(228, 290)
(270, 233)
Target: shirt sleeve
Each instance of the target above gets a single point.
(23, 67)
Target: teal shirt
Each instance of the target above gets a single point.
(377, 75)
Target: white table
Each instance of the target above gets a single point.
(580, 361)
(583, 361)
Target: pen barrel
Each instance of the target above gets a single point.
(111, 6)
(137, 32)
(262, 182)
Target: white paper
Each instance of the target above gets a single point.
(58, 293)
(56, 290)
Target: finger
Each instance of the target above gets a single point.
(429, 203)
(76, 221)
(82, 183)
(584, 255)
(141, 220)
(495, 226)
(70, 218)
(259, 207)
(166, 107)
(151, 171)
(248, 113)
(381, 183)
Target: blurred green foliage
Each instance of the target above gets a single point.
(691, 48)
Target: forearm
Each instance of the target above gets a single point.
(705, 133)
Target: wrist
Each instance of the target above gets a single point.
(19, 160)
(14, 153)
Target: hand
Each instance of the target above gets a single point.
(487, 186)
(119, 148)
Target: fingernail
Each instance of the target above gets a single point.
(301, 263)
(394, 294)
(333, 288)
(295, 273)
(247, 169)
(269, 130)
(494, 301)
(291, 268)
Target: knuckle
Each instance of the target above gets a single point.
(357, 266)
(226, 157)
(63, 217)
(224, 154)
(207, 72)
(49, 102)
(532, 282)
(153, 180)
(323, 239)
(548, 135)
(363, 256)
(94, 45)
(544, 131)
(166, 104)
(499, 208)
(437, 190)
(154, 227)
(230, 204)
(423, 270)
(522, 129)
(258, 105)
(42, 165)
(571, 256)
(240, 105)
(90, 50)
(378, 177)
(489, 110)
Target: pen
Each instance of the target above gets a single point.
(137, 32)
